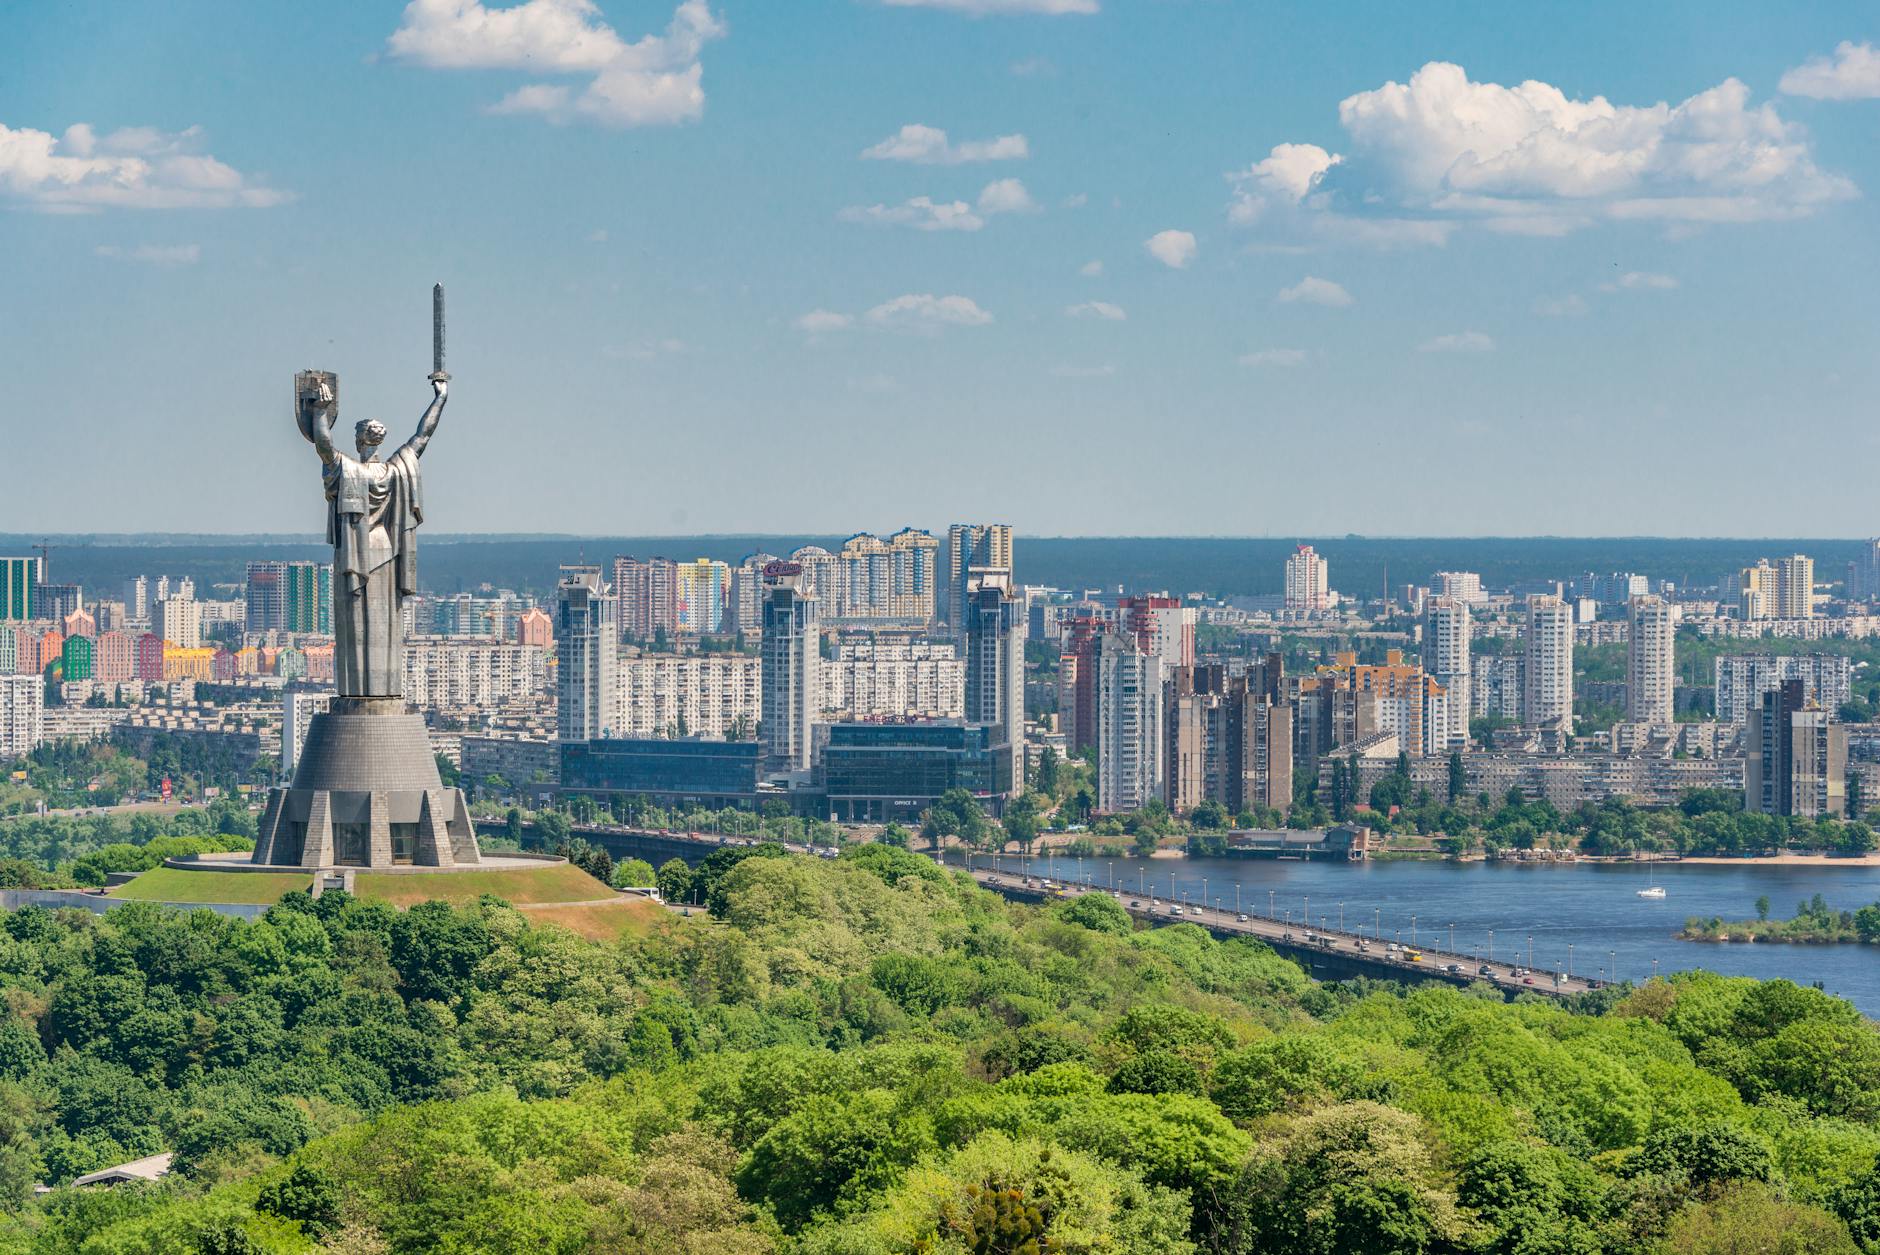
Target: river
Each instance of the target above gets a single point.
(1594, 908)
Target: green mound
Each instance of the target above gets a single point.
(172, 884)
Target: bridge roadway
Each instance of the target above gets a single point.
(1338, 954)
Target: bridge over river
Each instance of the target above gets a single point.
(1327, 954)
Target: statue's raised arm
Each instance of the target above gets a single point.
(440, 390)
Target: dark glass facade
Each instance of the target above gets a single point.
(711, 773)
(874, 772)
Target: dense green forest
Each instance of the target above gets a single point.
(868, 1054)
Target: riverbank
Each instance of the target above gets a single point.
(1787, 858)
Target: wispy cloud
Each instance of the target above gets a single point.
(1083, 372)
(929, 146)
(1091, 269)
(155, 254)
(1639, 281)
(923, 213)
(1572, 305)
(1459, 342)
(656, 80)
(1274, 357)
(822, 321)
(1097, 309)
(923, 310)
(1313, 290)
(134, 168)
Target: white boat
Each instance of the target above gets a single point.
(1653, 890)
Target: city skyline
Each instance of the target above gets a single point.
(667, 255)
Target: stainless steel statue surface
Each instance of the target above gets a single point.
(374, 508)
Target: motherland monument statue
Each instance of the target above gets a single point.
(366, 791)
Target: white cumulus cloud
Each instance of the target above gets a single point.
(819, 321)
(993, 8)
(1097, 309)
(132, 168)
(1640, 281)
(1274, 357)
(1313, 290)
(924, 310)
(1005, 196)
(1459, 342)
(1172, 248)
(1852, 73)
(928, 146)
(656, 80)
(155, 254)
(1441, 151)
(923, 213)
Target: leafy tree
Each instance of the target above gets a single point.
(675, 880)
(633, 873)
(1100, 913)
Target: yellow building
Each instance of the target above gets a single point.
(180, 663)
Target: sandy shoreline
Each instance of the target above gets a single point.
(1776, 860)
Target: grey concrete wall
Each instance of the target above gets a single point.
(14, 899)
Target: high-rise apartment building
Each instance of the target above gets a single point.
(179, 620)
(701, 585)
(137, 598)
(648, 593)
(19, 588)
(1162, 626)
(1756, 591)
(55, 601)
(1795, 757)
(1446, 641)
(718, 696)
(1742, 679)
(885, 579)
(1795, 587)
(1462, 586)
(307, 598)
(1229, 738)
(790, 647)
(995, 658)
(1308, 583)
(1131, 750)
(1650, 673)
(1495, 687)
(115, 658)
(22, 714)
(744, 609)
(1863, 573)
(1547, 662)
(586, 654)
(970, 546)
(535, 629)
(265, 597)
(149, 657)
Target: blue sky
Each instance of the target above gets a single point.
(1176, 266)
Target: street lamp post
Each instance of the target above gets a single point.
(1112, 874)
(1452, 939)
(1413, 930)
(1341, 917)
(1377, 923)
(1569, 960)
(1491, 945)
(1269, 904)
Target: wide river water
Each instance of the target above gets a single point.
(1592, 907)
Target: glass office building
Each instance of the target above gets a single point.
(671, 773)
(874, 772)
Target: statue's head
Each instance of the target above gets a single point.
(369, 434)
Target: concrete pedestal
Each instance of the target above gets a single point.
(366, 793)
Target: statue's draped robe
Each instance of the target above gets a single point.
(373, 512)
